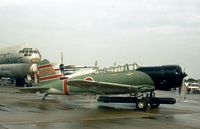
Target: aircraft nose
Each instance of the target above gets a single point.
(35, 58)
(165, 77)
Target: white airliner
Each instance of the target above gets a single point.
(19, 62)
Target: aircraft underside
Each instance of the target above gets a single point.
(142, 101)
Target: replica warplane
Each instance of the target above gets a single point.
(140, 83)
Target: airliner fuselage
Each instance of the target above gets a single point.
(18, 61)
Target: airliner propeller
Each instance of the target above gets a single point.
(34, 69)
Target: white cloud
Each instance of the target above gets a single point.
(166, 29)
(194, 19)
(11, 3)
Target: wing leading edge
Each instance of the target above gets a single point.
(110, 88)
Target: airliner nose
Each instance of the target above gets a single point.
(35, 58)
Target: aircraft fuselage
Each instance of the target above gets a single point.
(17, 61)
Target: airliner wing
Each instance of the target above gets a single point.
(34, 89)
(110, 88)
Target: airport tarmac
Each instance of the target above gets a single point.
(28, 111)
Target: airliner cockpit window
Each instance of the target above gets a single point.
(39, 53)
(26, 51)
(20, 51)
(30, 51)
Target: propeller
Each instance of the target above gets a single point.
(96, 63)
(61, 57)
(182, 76)
(62, 66)
(34, 69)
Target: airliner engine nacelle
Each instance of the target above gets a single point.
(33, 68)
(165, 77)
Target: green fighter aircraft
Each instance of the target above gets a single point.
(139, 82)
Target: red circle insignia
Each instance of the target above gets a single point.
(88, 79)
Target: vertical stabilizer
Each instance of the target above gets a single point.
(47, 72)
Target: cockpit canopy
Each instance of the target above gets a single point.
(29, 51)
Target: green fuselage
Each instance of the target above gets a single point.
(126, 77)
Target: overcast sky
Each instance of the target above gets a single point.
(149, 32)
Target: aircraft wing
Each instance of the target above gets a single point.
(34, 89)
(110, 88)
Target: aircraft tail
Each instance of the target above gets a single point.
(47, 72)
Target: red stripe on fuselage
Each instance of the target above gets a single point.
(65, 87)
(57, 69)
(44, 66)
(49, 77)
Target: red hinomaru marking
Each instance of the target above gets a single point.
(88, 79)
(49, 77)
(65, 87)
(44, 66)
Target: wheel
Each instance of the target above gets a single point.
(155, 105)
(141, 104)
(45, 95)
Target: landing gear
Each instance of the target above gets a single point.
(142, 104)
(28, 81)
(142, 100)
(152, 103)
(45, 95)
(146, 100)
(28, 84)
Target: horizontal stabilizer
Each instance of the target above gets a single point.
(110, 88)
(34, 89)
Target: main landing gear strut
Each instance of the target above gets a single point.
(142, 102)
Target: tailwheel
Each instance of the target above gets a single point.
(45, 95)
(141, 104)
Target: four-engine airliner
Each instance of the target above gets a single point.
(19, 62)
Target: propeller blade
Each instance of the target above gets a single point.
(180, 88)
(183, 75)
(61, 57)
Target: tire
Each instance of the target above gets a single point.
(141, 105)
